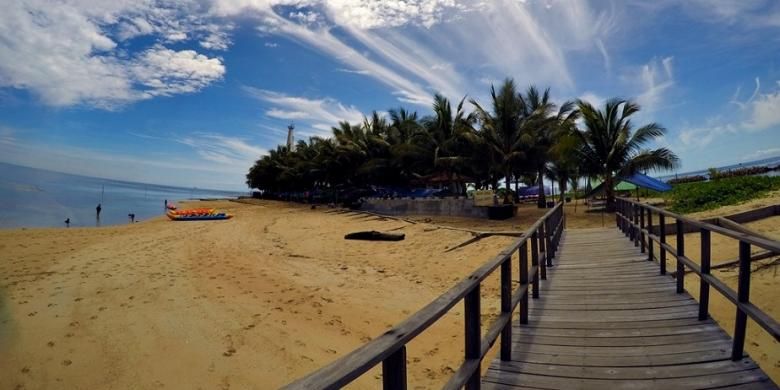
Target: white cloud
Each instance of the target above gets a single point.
(367, 14)
(655, 79)
(72, 52)
(7, 135)
(764, 111)
(699, 137)
(592, 98)
(224, 150)
(271, 44)
(319, 114)
(761, 154)
(164, 72)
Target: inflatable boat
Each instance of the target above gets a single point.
(198, 217)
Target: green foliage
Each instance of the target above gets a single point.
(520, 136)
(692, 197)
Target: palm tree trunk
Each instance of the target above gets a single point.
(508, 185)
(610, 192)
(541, 200)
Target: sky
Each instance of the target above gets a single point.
(192, 92)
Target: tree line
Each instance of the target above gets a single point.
(521, 137)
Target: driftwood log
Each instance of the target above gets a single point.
(374, 235)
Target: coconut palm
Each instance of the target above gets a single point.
(501, 128)
(612, 148)
(543, 129)
(447, 135)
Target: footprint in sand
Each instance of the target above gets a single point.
(67, 362)
(50, 344)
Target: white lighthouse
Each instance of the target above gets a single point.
(290, 139)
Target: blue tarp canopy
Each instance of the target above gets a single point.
(638, 180)
(645, 181)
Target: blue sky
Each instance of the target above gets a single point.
(192, 92)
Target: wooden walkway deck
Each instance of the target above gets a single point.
(606, 319)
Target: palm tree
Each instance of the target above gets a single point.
(446, 136)
(543, 129)
(501, 127)
(611, 148)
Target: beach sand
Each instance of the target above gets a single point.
(253, 302)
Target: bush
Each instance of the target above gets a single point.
(692, 197)
(715, 175)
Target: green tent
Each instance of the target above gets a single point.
(622, 186)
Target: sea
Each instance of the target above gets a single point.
(32, 197)
(767, 162)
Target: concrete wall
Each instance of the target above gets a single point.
(448, 206)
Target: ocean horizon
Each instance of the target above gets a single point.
(35, 197)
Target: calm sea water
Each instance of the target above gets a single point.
(37, 198)
(769, 162)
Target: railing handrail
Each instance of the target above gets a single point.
(636, 229)
(773, 246)
(351, 366)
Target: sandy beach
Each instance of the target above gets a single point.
(255, 301)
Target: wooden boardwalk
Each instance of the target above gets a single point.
(607, 319)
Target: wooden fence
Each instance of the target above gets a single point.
(636, 221)
(390, 348)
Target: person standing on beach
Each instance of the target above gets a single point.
(132, 217)
(166, 204)
(97, 210)
(67, 222)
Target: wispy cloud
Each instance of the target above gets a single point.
(760, 154)
(654, 80)
(319, 114)
(7, 135)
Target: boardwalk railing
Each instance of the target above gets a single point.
(635, 220)
(390, 348)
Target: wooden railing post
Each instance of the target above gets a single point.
(549, 252)
(535, 263)
(506, 307)
(636, 224)
(623, 216)
(743, 296)
(704, 288)
(394, 370)
(662, 259)
(543, 250)
(641, 228)
(680, 253)
(650, 245)
(523, 281)
(627, 219)
(473, 333)
(618, 212)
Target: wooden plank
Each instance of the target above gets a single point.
(691, 382)
(640, 341)
(614, 352)
(606, 319)
(624, 361)
(627, 373)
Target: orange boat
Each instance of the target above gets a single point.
(201, 211)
